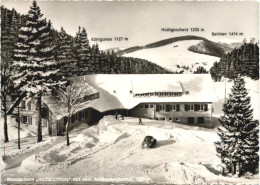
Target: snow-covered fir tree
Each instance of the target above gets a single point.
(65, 55)
(238, 144)
(34, 60)
(9, 31)
(96, 58)
(85, 65)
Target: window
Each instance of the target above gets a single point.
(80, 116)
(44, 124)
(76, 117)
(177, 119)
(23, 104)
(146, 106)
(168, 108)
(201, 107)
(73, 119)
(25, 119)
(190, 120)
(189, 107)
(86, 114)
(177, 107)
(44, 112)
(141, 106)
(151, 106)
(65, 120)
(170, 119)
(29, 105)
(174, 107)
(200, 120)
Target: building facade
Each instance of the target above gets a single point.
(53, 118)
(190, 113)
(179, 98)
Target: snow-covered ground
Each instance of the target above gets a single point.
(177, 53)
(12, 129)
(111, 151)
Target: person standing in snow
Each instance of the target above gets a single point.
(140, 121)
(116, 114)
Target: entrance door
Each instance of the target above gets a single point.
(157, 108)
(191, 120)
(200, 120)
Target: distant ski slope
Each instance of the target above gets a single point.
(177, 53)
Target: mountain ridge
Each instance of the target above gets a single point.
(207, 47)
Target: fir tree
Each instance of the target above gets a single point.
(236, 148)
(65, 55)
(9, 33)
(34, 59)
(85, 66)
(96, 58)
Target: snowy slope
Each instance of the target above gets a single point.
(177, 53)
(112, 149)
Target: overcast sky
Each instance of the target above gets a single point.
(141, 22)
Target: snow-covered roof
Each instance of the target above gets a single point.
(117, 90)
(59, 109)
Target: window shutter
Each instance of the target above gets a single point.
(178, 107)
(206, 107)
(186, 107)
(30, 120)
(196, 107)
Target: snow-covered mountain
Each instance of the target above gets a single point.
(176, 56)
(181, 54)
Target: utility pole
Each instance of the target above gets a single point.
(19, 123)
(225, 89)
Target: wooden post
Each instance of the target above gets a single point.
(211, 116)
(39, 136)
(234, 164)
(154, 110)
(225, 89)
